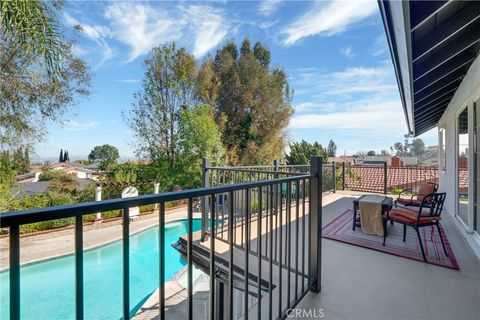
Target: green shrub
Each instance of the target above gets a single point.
(254, 205)
(41, 200)
(46, 225)
(147, 208)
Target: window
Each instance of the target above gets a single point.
(463, 148)
(441, 147)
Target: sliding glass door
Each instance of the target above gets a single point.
(462, 165)
(476, 215)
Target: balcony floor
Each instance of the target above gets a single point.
(359, 283)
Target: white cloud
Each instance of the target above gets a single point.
(208, 26)
(267, 7)
(379, 46)
(97, 34)
(128, 80)
(382, 116)
(72, 125)
(310, 106)
(141, 27)
(267, 24)
(349, 81)
(361, 100)
(328, 19)
(347, 52)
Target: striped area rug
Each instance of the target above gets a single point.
(340, 229)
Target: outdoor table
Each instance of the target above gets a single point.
(387, 204)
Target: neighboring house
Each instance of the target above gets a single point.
(436, 59)
(347, 160)
(371, 178)
(32, 188)
(403, 160)
(79, 170)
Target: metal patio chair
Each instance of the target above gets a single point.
(428, 214)
(416, 199)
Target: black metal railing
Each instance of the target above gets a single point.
(218, 176)
(380, 178)
(286, 244)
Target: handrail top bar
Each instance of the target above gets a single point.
(256, 171)
(14, 218)
(239, 167)
(295, 165)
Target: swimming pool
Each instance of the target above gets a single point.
(47, 287)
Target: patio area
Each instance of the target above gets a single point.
(359, 283)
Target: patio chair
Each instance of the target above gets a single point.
(428, 214)
(416, 199)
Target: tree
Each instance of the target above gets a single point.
(371, 153)
(414, 148)
(7, 180)
(61, 157)
(361, 154)
(83, 161)
(252, 101)
(418, 147)
(33, 26)
(26, 161)
(63, 182)
(168, 86)
(18, 162)
(60, 181)
(105, 155)
(398, 146)
(300, 152)
(46, 173)
(66, 156)
(331, 149)
(199, 136)
(384, 153)
(40, 76)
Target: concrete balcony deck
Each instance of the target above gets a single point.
(359, 283)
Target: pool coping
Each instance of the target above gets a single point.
(196, 215)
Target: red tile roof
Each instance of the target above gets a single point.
(371, 178)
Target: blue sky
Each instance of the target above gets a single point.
(335, 54)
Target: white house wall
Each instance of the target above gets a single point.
(467, 93)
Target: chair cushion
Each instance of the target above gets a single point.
(404, 201)
(409, 202)
(425, 188)
(410, 216)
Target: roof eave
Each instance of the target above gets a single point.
(396, 21)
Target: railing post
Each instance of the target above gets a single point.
(204, 200)
(156, 189)
(334, 168)
(98, 197)
(14, 272)
(276, 168)
(315, 202)
(343, 175)
(385, 169)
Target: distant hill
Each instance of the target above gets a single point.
(42, 160)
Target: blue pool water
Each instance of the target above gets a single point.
(47, 288)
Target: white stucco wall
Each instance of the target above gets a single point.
(467, 93)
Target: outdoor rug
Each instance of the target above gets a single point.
(340, 229)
